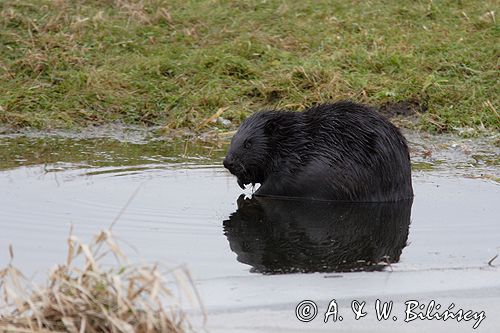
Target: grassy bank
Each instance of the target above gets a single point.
(175, 63)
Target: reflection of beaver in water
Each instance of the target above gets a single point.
(287, 236)
(341, 151)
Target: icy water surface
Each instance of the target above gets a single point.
(184, 208)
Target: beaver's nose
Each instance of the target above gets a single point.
(228, 163)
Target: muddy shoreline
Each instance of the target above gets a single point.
(474, 157)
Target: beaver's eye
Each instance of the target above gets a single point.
(247, 144)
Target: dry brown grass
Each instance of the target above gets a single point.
(84, 295)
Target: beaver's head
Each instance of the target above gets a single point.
(250, 154)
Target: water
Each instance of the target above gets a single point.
(185, 209)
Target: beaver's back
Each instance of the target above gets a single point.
(352, 153)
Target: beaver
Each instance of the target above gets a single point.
(342, 151)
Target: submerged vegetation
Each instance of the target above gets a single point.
(90, 297)
(104, 152)
(67, 64)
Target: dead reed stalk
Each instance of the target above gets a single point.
(86, 295)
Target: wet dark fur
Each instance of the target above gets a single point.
(341, 151)
(284, 236)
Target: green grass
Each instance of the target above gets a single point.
(66, 64)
